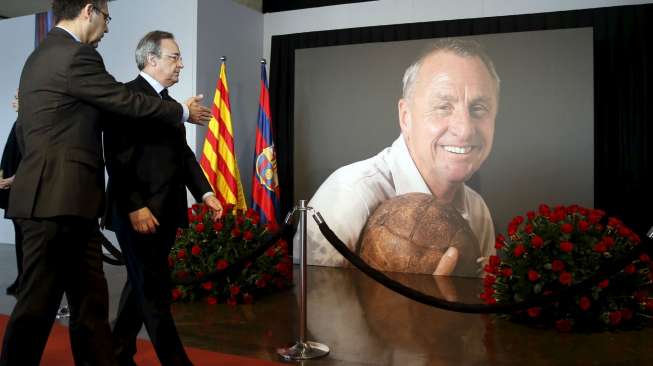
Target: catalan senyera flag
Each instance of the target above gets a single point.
(265, 182)
(218, 155)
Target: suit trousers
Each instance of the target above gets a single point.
(146, 297)
(61, 255)
(13, 288)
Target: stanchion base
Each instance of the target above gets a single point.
(303, 351)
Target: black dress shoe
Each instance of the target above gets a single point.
(13, 289)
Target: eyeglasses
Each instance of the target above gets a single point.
(173, 58)
(107, 18)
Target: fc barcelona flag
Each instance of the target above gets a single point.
(218, 156)
(265, 184)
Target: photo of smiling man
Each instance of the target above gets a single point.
(447, 118)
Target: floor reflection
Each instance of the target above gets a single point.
(366, 324)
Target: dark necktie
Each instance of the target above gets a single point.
(165, 96)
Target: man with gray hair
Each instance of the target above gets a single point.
(447, 115)
(149, 168)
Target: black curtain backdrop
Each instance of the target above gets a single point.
(623, 93)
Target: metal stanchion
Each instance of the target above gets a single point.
(303, 349)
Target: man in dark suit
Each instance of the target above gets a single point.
(8, 165)
(58, 191)
(149, 168)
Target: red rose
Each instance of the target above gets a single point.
(195, 250)
(624, 231)
(626, 314)
(234, 290)
(640, 296)
(501, 238)
(235, 232)
(181, 254)
(534, 312)
(506, 272)
(495, 260)
(563, 325)
(584, 303)
(182, 275)
(528, 229)
(519, 250)
(518, 220)
(270, 252)
(558, 216)
(565, 278)
(489, 280)
(247, 298)
(207, 285)
(248, 235)
(489, 269)
(260, 283)
(221, 264)
(630, 269)
(583, 226)
(271, 227)
(232, 301)
(180, 232)
(600, 247)
(176, 294)
(604, 283)
(567, 228)
(171, 262)
(199, 228)
(634, 238)
(557, 265)
(229, 207)
(608, 240)
(533, 275)
(282, 267)
(499, 244)
(614, 222)
(530, 215)
(218, 225)
(566, 246)
(537, 242)
(211, 300)
(544, 210)
(615, 317)
(512, 229)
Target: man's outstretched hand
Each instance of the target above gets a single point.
(198, 114)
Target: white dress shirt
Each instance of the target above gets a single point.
(349, 196)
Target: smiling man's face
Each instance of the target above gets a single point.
(448, 118)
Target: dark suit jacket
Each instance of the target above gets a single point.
(63, 88)
(10, 160)
(151, 165)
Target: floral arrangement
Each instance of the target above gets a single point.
(207, 246)
(555, 248)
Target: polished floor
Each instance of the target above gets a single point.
(366, 324)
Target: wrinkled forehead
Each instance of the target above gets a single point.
(448, 68)
(169, 45)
